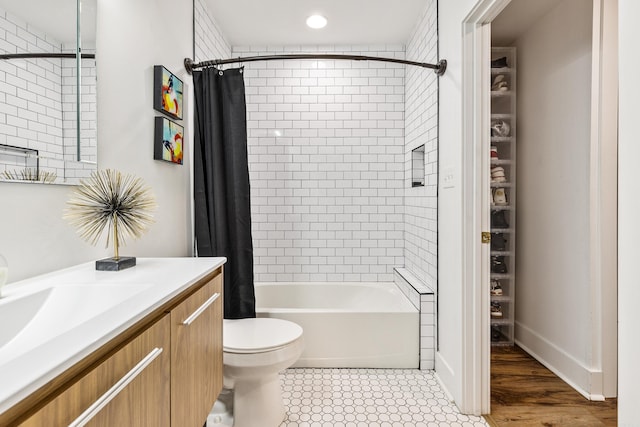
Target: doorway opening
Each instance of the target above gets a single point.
(562, 297)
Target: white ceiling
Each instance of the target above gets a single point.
(56, 18)
(516, 18)
(282, 22)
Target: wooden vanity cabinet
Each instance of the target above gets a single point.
(166, 373)
(196, 355)
(130, 388)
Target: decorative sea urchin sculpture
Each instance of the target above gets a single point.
(120, 203)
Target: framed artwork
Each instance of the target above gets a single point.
(167, 92)
(168, 141)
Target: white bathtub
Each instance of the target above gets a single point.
(346, 325)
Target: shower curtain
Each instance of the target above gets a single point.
(221, 184)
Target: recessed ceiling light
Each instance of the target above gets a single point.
(316, 21)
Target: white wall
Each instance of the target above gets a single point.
(450, 221)
(629, 212)
(325, 141)
(553, 281)
(34, 238)
(149, 32)
(421, 128)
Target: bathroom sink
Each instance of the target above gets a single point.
(30, 320)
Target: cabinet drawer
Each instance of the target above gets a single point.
(130, 388)
(196, 355)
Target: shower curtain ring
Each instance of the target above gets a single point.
(218, 67)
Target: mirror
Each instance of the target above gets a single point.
(48, 115)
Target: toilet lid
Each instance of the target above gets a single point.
(258, 335)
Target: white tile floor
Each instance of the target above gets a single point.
(368, 398)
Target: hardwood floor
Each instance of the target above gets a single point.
(525, 393)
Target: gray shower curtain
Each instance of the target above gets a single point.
(221, 184)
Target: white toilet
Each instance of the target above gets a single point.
(254, 352)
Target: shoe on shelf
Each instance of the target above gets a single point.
(498, 220)
(496, 310)
(500, 128)
(499, 84)
(497, 174)
(499, 196)
(494, 153)
(498, 265)
(496, 335)
(499, 62)
(496, 289)
(498, 242)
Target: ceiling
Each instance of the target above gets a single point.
(516, 18)
(282, 22)
(56, 18)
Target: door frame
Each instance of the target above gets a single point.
(603, 203)
(476, 342)
(476, 345)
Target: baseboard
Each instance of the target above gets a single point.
(587, 382)
(444, 375)
(489, 419)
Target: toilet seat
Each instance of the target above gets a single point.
(254, 352)
(258, 335)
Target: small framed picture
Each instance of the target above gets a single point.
(167, 92)
(168, 141)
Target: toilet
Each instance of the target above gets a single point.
(254, 352)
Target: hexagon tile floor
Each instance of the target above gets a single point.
(368, 398)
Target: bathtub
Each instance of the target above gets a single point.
(346, 325)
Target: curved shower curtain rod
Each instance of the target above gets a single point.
(45, 55)
(438, 68)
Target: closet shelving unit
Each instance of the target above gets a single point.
(503, 108)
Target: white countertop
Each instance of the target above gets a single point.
(157, 280)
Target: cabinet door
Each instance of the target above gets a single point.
(131, 388)
(196, 355)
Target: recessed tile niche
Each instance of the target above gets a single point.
(417, 167)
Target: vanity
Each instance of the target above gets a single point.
(139, 347)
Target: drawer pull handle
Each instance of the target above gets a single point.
(189, 320)
(110, 394)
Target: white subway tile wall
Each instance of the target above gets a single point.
(421, 127)
(37, 99)
(26, 83)
(423, 298)
(330, 147)
(427, 331)
(88, 116)
(326, 153)
(209, 42)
